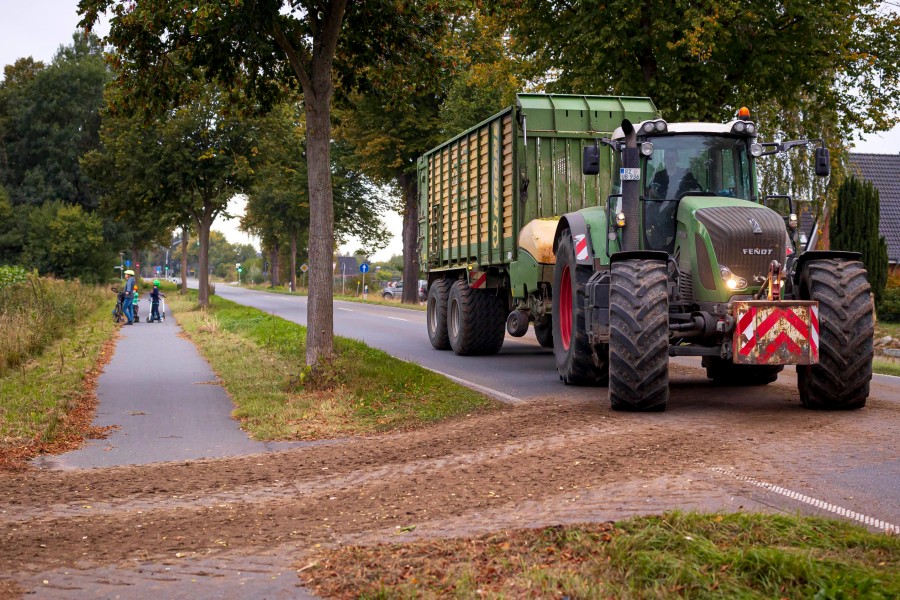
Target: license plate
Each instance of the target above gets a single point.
(776, 332)
(629, 174)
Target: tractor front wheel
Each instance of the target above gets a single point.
(638, 335)
(840, 380)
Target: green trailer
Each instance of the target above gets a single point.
(489, 203)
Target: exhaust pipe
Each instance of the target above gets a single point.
(630, 189)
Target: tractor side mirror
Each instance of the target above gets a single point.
(590, 160)
(823, 162)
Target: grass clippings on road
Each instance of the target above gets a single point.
(676, 555)
(260, 359)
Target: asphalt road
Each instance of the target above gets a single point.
(857, 474)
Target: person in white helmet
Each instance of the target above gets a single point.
(129, 297)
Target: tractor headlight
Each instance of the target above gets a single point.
(620, 219)
(658, 126)
(756, 150)
(732, 281)
(647, 149)
(793, 221)
(739, 127)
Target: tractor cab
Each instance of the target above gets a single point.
(682, 160)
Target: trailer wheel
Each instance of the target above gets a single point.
(846, 329)
(476, 320)
(436, 313)
(725, 372)
(544, 334)
(638, 335)
(574, 359)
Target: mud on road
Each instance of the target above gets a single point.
(555, 460)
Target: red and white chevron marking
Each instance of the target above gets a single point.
(777, 333)
(581, 249)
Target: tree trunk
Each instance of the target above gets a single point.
(409, 187)
(184, 259)
(294, 260)
(203, 226)
(274, 266)
(315, 76)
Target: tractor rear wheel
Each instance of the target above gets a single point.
(638, 335)
(436, 313)
(476, 320)
(840, 381)
(574, 358)
(725, 372)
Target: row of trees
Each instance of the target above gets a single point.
(350, 93)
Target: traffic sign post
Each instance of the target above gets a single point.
(364, 268)
(239, 271)
(304, 268)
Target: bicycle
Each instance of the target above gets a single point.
(118, 312)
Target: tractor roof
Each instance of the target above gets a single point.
(687, 127)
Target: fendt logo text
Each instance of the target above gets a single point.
(757, 251)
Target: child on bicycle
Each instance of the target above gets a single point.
(155, 295)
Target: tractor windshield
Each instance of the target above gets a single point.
(715, 165)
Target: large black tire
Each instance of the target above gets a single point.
(436, 313)
(476, 320)
(638, 335)
(544, 334)
(840, 381)
(725, 372)
(571, 349)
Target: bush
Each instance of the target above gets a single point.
(11, 275)
(34, 311)
(890, 304)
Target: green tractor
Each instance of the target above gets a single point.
(686, 259)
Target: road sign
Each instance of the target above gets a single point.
(304, 267)
(364, 268)
(127, 263)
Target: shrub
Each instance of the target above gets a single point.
(11, 275)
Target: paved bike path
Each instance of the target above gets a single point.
(167, 405)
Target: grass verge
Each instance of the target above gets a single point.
(886, 366)
(48, 401)
(374, 298)
(260, 359)
(676, 555)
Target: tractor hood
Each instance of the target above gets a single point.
(745, 237)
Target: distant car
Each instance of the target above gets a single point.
(389, 293)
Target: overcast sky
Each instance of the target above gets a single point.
(37, 28)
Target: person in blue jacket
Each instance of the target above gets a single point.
(129, 297)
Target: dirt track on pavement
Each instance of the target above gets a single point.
(545, 462)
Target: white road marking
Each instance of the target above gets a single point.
(347, 309)
(832, 508)
(480, 388)
(397, 318)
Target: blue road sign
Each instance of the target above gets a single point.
(127, 263)
(364, 268)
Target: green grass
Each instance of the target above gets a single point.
(261, 361)
(676, 555)
(883, 328)
(38, 393)
(886, 366)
